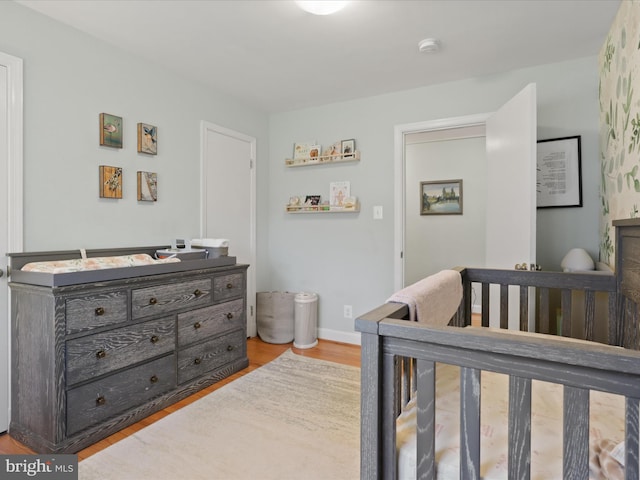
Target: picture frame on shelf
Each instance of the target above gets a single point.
(559, 172)
(302, 150)
(312, 200)
(338, 192)
(315, 152)
(110, 130)
(348, 148)
(441, 197)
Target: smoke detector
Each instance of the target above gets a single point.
(428, 45)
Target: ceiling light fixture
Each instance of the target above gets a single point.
(428, 45)
(321, 7)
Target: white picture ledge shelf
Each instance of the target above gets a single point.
(323, 159)
(320, 209)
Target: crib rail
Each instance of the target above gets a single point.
(578, 366)
(541, 285)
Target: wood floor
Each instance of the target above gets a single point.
(259, 354)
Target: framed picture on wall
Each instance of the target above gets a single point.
(147, 139)
(147, 186)
(559, 173)
(110, 130)
(441, 197)
(110, 182)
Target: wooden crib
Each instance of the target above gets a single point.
(399, 357)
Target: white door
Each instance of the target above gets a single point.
(10, 206)
(228, 200)
(511, 201)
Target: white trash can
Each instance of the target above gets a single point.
(306, 320)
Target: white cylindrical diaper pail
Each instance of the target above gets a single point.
(306, 320)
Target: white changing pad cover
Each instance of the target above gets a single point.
(95, 263)
(606, 422)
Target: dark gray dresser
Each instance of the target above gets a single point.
(89, 358)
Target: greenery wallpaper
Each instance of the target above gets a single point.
(619, 63)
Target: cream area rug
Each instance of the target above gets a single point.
(293, 418)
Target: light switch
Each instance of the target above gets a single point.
(377, 212)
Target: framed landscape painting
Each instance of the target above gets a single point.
(441, 197)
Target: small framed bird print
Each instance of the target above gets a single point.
(147, 139)
(110, 130)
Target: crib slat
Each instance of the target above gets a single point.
(565, 305)
(544, 310)
(590, 314)
(485, 304)
(504, 306)
(370, 424)
(576, 433)
(407, 383)
(519, 428)
(389, 414)
(469, 423)
(631, 439)
(426, 423)
(524, 309)
(613, 319)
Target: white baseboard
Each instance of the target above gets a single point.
(339, 336)
(476, 308)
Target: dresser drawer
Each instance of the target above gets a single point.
(94, 402)
(228, 286)
(94, 355)
(162, 299)
(209, 321)
(204, 357)
(95, 311)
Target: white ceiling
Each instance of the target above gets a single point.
(276, 57)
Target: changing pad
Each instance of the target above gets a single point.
(96, 263)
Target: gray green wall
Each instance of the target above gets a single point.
(347, 259)
(69, 79)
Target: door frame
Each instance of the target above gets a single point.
(400, 132)
(15, 87)
(252, 329)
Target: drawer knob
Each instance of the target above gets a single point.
(155, 339)
(229, 286)
(197, 325)
(99, 311)
(197, 361)
(230, 348)
(153, 301)
(101, 401)
(153, 379)
(229, 315)
(197, 292)
(101, 354)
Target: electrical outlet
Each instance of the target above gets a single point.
(348, 311)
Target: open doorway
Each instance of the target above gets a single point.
(510, 212)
